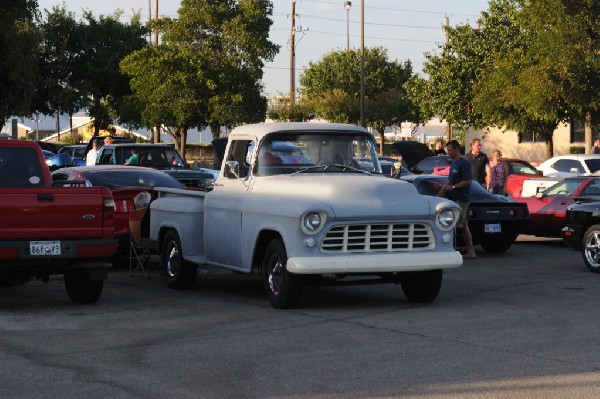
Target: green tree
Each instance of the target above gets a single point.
(567, 54)
(19, 39)
(106, 42)
(58, 86)
(332, 86)
(208, 68)
(284, 110)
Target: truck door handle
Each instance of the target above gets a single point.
(45, 197)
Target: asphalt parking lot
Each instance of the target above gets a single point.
(517, 325)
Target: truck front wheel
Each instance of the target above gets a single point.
(81, 288)
(179, 273)
(284, 289)
(422, 286)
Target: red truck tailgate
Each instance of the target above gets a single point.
(57, 213)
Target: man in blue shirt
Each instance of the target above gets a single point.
(459, 181)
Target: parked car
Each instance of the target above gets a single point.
(582, 231)
(495, 221)
(76, 151)
(570, 165)
(115, 140)
(548, 209)
(198, 179)
(157, 156)
(125, 182)
(518, 171)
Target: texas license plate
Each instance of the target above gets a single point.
(44, 248)
(493, 228)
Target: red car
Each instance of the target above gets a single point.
(518, 171)
(548, 209)
(125, 182)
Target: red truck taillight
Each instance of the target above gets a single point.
(108, 211)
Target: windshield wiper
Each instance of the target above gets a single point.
(344, 168)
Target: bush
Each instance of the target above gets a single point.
(577, 150)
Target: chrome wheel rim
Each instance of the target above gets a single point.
(275, 275)
(592, 249)
(172, 260)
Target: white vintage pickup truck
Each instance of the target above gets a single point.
(306, 203)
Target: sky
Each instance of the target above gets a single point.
(406, 28)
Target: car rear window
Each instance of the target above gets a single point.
(20, 168)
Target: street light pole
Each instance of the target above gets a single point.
(347, 6)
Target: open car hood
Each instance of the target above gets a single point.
(412, 152)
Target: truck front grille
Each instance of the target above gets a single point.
(399, 237)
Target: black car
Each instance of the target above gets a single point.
(494, 221)
(582, 232)
(190, 178)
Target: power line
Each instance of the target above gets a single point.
(370, 7)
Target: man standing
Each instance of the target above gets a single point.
(459, 180)
(596, 147)
(90, 158)
(478, 161)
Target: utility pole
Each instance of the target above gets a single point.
(293, 55)
(156, 135)
(362, 63)
(448, 123)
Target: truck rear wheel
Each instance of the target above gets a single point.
(422, 286)
(81, 288)
(283, 289)
(179, 273)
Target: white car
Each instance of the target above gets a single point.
(570, 165)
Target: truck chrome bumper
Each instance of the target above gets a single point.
(375, 263)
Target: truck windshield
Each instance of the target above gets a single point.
(285, 153)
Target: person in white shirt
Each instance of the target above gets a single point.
(90, 159)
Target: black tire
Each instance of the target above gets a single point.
(283, 289)
(590, 250)
(422, 286)
(179, 273)
(80, 288)
(498, 245)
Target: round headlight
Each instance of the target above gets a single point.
(446, 218)
(312, 221)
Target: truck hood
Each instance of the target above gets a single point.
(349, 195)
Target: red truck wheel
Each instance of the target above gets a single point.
(81, 288)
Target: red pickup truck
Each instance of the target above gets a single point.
(47, 228)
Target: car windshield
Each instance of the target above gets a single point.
(516, 167)
(285, 153)
(129, 178)
(563, 188)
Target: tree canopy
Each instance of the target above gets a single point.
(19, 38)
(208, 69)
(529, 66)
(332, 87)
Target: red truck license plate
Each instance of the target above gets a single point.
(44, 248)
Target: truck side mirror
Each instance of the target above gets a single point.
(232, 169)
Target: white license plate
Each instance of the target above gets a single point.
(44, 248)
(493, 228)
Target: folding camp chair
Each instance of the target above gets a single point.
(139, 254)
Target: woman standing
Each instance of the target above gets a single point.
(496, 174)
